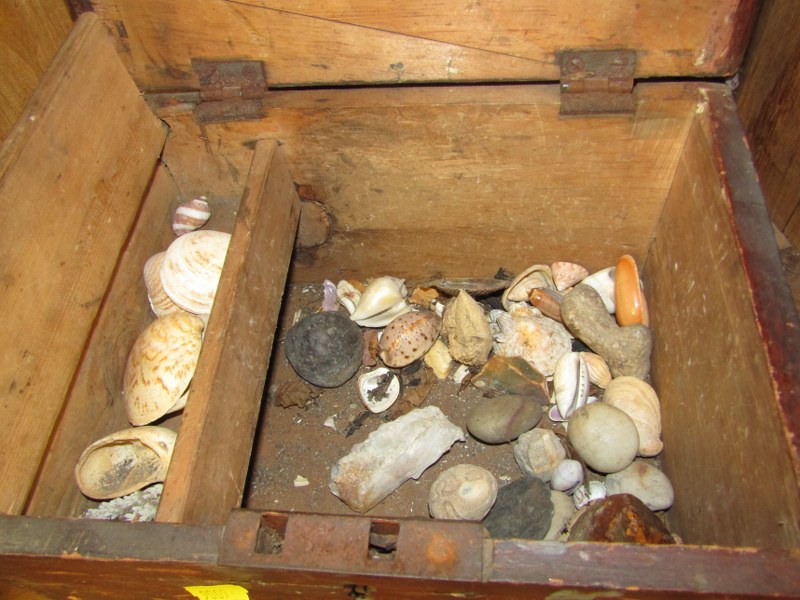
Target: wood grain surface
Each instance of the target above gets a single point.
(361, 41)
(767, 100)
(728, 448)
(72, 175)
(31, 33)
(211, 457)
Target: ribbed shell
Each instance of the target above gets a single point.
(192, 267)
(160, 303)
(160, 366)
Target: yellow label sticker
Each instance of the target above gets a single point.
(218, 592)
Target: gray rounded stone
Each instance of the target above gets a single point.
(505, 418)
(325, 348)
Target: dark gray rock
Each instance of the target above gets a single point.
(523, 509)
(325, 348)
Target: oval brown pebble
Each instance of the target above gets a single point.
(505, 418)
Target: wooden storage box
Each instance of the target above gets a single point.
(409, 180)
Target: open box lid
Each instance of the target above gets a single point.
(350, 42)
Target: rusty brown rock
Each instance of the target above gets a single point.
(619, 518)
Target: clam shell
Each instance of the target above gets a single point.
(567, 274)
(381, 302)
(160, 366)
(474, 287)
(125, 461)
(570, 383)
(378, 389)
(599, 372)
(629, 299)
(464, 492)
(638, 400)
(535, 276)
(190, 215)
(160, 303)
(408, 337)
(192, 267)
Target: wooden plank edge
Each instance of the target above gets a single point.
(652, 571)
(773, 305)
(200, 488)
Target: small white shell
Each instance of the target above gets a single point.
(191, 215)
(585, 493)
(567, 476)
(377, 401)
(160, 366)
(603, 282)
(382, 301)
(464, 492)
(192, 267)
(570, 383)
(125, 461)
(347, 295)
(160, 303)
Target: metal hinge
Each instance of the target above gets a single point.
(597, 82)
(230, 90)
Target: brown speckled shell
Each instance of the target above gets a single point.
(408, 337)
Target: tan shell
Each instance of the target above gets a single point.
(125, 461)
(160, 366)
(409, 337)
(599, 373)
(639, 401)
(519, 290)
(463, 492)
(160, 303)
(191, 215)
(192, 267)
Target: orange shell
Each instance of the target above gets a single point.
(631, 304)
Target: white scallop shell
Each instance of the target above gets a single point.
(160, 366)
(570, 383)
(160, 303)
(191, 215)
(638, 400)
(125, 461)
(368, 382)
(382, 301)
(192, 267)
(464, 492)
